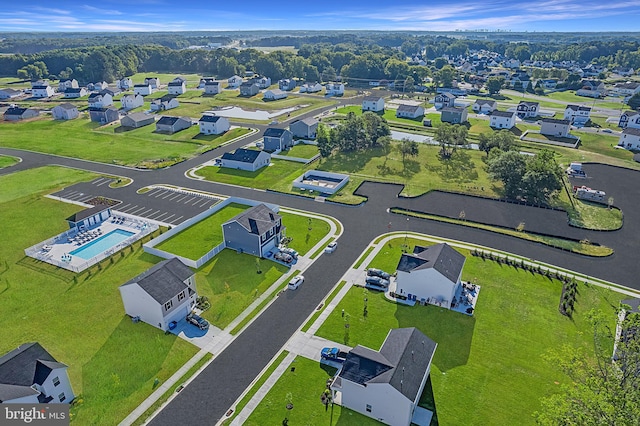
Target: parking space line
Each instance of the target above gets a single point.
(138, 210)
(167, 218)
(67, 194)
(176, 220)
(122, 207)
(129, 209)
(87, 198)
(144, 213)
(96, 180)
(175, 196)
(189, 200)
(181, 198)
(105, 181)
(206, 202)
(158, 218)
(77, 196)
(153, 191)
(160, 193)
(153, 214)
(170, 193)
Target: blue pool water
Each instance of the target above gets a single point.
(101, 244)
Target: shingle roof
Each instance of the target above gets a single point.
(210, 118)
(15, 111)
(555, 121)
(9, 392)
(67, 106)
(528, 103)
(578, 108)
(257, 220)
(175, 83)
(452, 110)
(140, 116)
(486, 102)
(309, 121)
(164, 280)
(242, 155)
(440, 257)
(408, 108)
(501, 113)
(168, 121)
(274, 132)
(88, 212)
(73, 89)
(371, 98)
(631, 131)
(28, 364)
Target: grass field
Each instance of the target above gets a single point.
(595, 216)
(301, 151)
(389, 115)
(493, 361)
(305, 232)
(6, 161)
(198, 239)
(571, 98)
(78, 318)
(83, 139)
(279, 175)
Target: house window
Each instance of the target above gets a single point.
(181, 296)
(56, 381)
(61, 397)
(168, 305)
(368, 408)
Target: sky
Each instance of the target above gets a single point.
(409, 15)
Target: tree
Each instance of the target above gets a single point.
(508, 167)
(444, 136)
(324, 141)
(439, 63)
(445, 76)
(542, 178)
(407, 148)
(494, 84)
(634, 101)
(503, 140)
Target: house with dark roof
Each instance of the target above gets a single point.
(177, 86)
(335, 89)
(386, 385)
(17, 113)
(125, 83)
(164, 103)
(67, 84)
(555, 127)
(591, 89)
(104, 115)
(142, 89)
(274, 94)
(164, 293)
(98, 86)
(74, 92)
(578, 115)
(42, 90)
(276, 140)
(211, 87)
(484, 106)
(443, 100)
(430, 274)
(100, 100)
(629, 119)
(245, 159)
(213, 124)
(10, 93)
(254, 231)
(204, 81)
(410, 111)
(172, 124)
(31, 375)
(65, 111)
(373, 103)
(249, 88)
(136, 120)
(630, 138)
(526, 109)
(311, 87)
(90, 216)
(287, 84)
(154, 82)
(305, 128)
(502, 119)
(453, 115)
(262, 82)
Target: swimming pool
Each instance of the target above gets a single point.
(101, 244)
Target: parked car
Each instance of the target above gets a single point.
(295, 282)
(283, 257)
(334, 354)
(331, 247)
(198, 321)
(373, 272)
(380, 282)
(291, 252)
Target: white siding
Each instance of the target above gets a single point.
(64, 387)
(138, 303)
(387, 404)
(426, 284)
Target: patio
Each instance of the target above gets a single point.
(465, 299)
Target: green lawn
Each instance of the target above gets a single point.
(78, 318)
(305, 385)
(303, 238)
(389, 115)
(198, 239)
(302, 151)
(602, 143)
(6, 161)
(279, 175)
(83, 139)
(595, 216)
(570, 97)
(492, 361)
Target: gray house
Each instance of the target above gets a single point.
(172, 124)
(245, 159)
(304, 128)
(65, 111)
(453, 115)
(137, 119)
(276, 140)
(17, 113)
(211, 87)
(104, 115)
(287, 84)
(254, 231)
(249, 88)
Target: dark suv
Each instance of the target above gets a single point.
(198, 321)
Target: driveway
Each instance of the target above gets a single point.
(193, 334)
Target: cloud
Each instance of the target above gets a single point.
(98, 10)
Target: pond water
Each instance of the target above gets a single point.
(237, 112)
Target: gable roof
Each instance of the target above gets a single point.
(371, 98)
(486, 102)
(528, 103)
(274, 132)
(27, 364)
(139, 116)
(176, 83)
(454, 110)
(446, 95)
(578, 108)
(440, 257)
(402, 362)
(631, 131)
(88, 212)
(15, 111)
(169, 121)
(242, 155)
(74, 89)
(210, 118)
(164, 280)
(257, 220)
(556, 121)
(502, 113)
(67, 106)
(408, 108)
(309, 121)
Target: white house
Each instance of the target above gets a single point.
(629, 119)
(578, 115)
(10, 93)
(335, 89)
(430, 274)
(630, 138)
(386, 385)
(373, 103)
(65, 111)
(410, 111)
(502, 119)
(555, 127)
(131, 101)
(592, 89)
(262, 82)
(287, 84)
(213, 124)
(211, 87)
(67, 84)
(627, 89)
(274, 94)
(311, 88)
(245, 159)
(234, 82)
(164, 103)
(30, 375)
(42, 90)
(154, 82)
(74, 92)
(164, 293)
(443, 100)
(484, 106)
(125, 84)
(100, 100)
(100, 85)
(526, 109)
(142, 89)
(177, 87)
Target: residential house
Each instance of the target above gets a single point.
(274, 94)
(311, 88)
(212, 88)
(177, 87)
(443, 100)
(104, 115)
(172, 124)
(630, 119)
(430, 274)
(18, 113)
(630, 138)
(164, 103)
(154, 82)
(10, 93)
(142, 89)
(335, 89)
(511, 63)
(276, 140)
(65, 111)
(131, 101)
(502, 119)
(262, 82)
(255, 231)
(519, 80)
(31, 375)
(453, 115)
(386, 385)
(624, 72)
(135, 120)
(578, 115)
(125, 84)
(213, 124)
(594, 70)
(287, 84)
(161, 295)
(42, 90)
(98, 86)
(373, 103)
(90, 216)
(555, 127)
(627, 89)
(204, 81)
(234, 82)
(484, 106)
(410, 111)
(526, 109)
(549, 83)
(74, 92)
(456, 91)
(67, 84)
(249, 88)
(245, 159)
(305, 128)
(100, 100)
(591, 89)
(111, 91)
